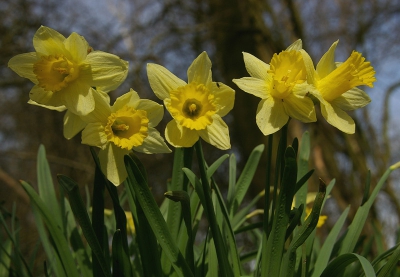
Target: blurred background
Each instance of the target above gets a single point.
(174, 32)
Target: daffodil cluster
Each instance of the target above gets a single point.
(289, 84)
(69, 75)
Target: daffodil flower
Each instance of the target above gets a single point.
(128, 124)
(196, 106)
(282, 87)
(64, 70)
(335, 86)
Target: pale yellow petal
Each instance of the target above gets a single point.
(101, 111)
(217, 134)
(308, 63)
(179, 136)
(58, 108)
(112, 163)
(77, 46)
(153, 143)
(78, 97)
(46, 98)
(224, 98)
(337, 117)
(256, 67)
(300, 108)
(108, 71)
(327, 63)
(271, 115)
(130, 98)
(352, 99)
(94, 135)
(23, 65)
(162, 81)
(257, 87)
(73, 124)
(297, 45)
(47, 41)
(200, 70)
(155, 111)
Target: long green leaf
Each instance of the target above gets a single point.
(224, 266)
(46, 187)
(81, 215)
(212, 168)
(351, 238)
(154, 217)
(183, 198)
(228, 233)
(232, 182)
(245, 178)
(304, 232)
(391, 263)
(276, 240)
(327, 247)
(338, 265)
(121, 264)
(5, 257)
(146, 241)
(55, 231)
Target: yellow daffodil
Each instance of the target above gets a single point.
(128, 124)
(282, 87)
(335, 86)
(196, 106)
(64, 70)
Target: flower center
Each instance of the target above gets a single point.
(55, 72)
(192, 106)
(127, 127)
(355, 71)
(287, 69)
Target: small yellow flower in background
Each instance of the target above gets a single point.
(128, 124)
(321, 219)
(130, 225)
(64, 70)
(335, 86)
(310, 199)
(196, 106)
(282, 87)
